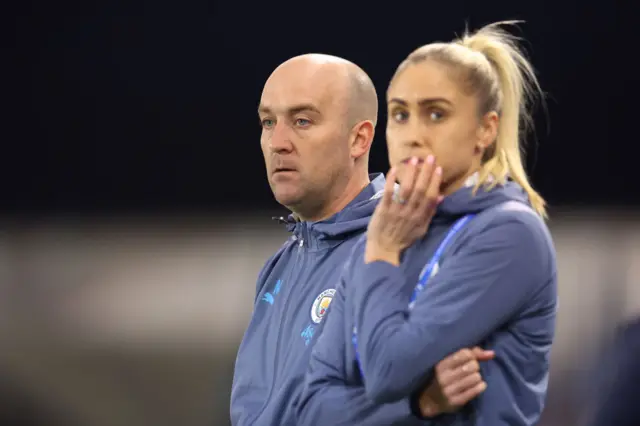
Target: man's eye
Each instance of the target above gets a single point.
(267, 123)
(302, 122)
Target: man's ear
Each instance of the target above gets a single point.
(361, 138)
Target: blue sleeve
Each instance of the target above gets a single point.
(476, 290)
(326, 398)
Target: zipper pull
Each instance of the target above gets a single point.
(281, 220)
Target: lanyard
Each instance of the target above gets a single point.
(426, 273)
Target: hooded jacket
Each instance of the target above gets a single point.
(494, 286)
(294, 290)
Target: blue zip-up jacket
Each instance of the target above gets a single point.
(495, 287)
(294, 290)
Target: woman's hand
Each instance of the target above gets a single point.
(457, 381)
(401, 219)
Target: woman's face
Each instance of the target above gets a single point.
(430, 114)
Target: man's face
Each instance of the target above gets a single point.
(305, 139)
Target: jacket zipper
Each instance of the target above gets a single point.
(298, 260)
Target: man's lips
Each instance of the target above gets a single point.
(284, 170)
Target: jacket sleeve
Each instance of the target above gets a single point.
(326, 397)
(476, 290)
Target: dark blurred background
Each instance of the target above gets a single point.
(136, 214)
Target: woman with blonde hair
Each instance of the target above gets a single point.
(456, 255)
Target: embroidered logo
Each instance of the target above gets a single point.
(307, 334)
(321, 304)
(270, 297)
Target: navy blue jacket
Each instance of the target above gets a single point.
(495, 287)
(294, 290)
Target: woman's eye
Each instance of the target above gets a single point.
(400, 116)
(436, 115)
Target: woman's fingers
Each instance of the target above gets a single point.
(425, 196)
(433, 190)
(408, 182)
(403, 213)
(389, 188)
(422, 183)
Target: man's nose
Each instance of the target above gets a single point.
(280, 139)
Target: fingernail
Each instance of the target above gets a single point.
(430, 159)
(414, 161)
(440, 198)
(439, 170)
(392, 171)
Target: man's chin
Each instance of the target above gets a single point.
(288, 197)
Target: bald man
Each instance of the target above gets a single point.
(318, 116)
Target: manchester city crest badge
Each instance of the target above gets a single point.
(321, 304)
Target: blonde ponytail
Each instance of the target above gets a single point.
(505, 82)
(518, 87)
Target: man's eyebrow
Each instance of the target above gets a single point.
(294, 109)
